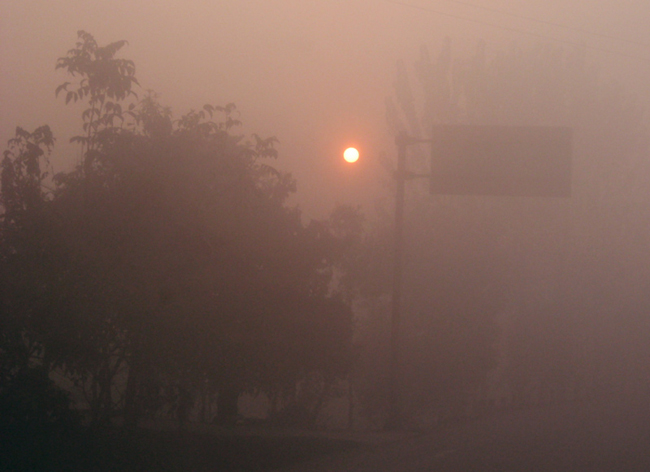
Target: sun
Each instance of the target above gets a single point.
(351, 154)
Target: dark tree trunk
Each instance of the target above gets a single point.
(320, 401)
(204, 401)
(185, 404)
(227, 406)
(131, 407)
(350, 405)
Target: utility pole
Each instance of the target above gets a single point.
(395, 418)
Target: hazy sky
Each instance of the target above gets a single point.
(314, 73)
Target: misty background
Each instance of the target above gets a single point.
(314, 74)
(508, 302)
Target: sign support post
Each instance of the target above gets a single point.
(395, 419)
(475, 160)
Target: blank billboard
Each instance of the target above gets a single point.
(501, 161)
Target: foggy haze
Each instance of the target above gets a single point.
(175, 276)
(313, 73)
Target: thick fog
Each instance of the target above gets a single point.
(315, 74)
(184, 253)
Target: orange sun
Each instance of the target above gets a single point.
(351, 154)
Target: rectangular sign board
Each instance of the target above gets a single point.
(501, 161)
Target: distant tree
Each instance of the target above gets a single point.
(33, 409)
(26, 256)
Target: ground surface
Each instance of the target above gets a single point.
(575, 438)
(596, 437)
(165, 451)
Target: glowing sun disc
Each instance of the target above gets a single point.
(351, 155)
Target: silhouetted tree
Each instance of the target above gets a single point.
(26, 255)
(167, 258)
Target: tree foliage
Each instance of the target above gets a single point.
(166, 266)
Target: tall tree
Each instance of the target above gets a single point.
(181, 270)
